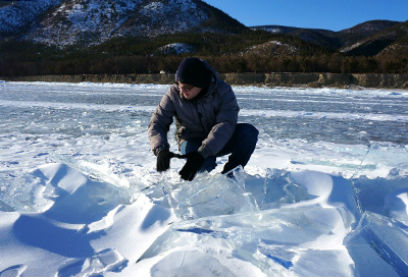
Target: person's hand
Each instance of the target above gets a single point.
(163, 160)
(193, 164)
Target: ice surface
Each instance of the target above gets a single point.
(325, 193)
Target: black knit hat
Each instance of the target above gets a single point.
(194, 72)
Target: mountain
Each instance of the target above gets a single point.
(321, 37)
(363, 31)
(39, 37)
(346, 41)
(17, 15)
(87, 22)
(397, 49)
(93, 22)
(387, 41)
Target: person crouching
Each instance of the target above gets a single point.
(206, 113)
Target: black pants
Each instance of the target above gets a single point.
(240, 146)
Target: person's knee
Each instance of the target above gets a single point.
(253, 131)
(248, 132)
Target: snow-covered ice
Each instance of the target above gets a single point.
(325, 193)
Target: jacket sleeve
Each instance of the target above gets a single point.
(226, 121)
(160, 123)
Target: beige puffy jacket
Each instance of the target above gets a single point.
(211, 117)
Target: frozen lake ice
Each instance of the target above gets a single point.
(325, 193)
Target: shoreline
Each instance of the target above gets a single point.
(284, 79)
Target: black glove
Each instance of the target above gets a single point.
(193, 164)
(163, 160)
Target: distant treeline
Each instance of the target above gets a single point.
(223, 64)
(226, 53)
(342, 80)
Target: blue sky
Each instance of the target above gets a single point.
(329, 14)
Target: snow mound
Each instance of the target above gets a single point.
(71, 237)
(288, 223)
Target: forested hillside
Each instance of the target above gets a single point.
(135, 36)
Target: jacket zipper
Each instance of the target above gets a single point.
(200, 116)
